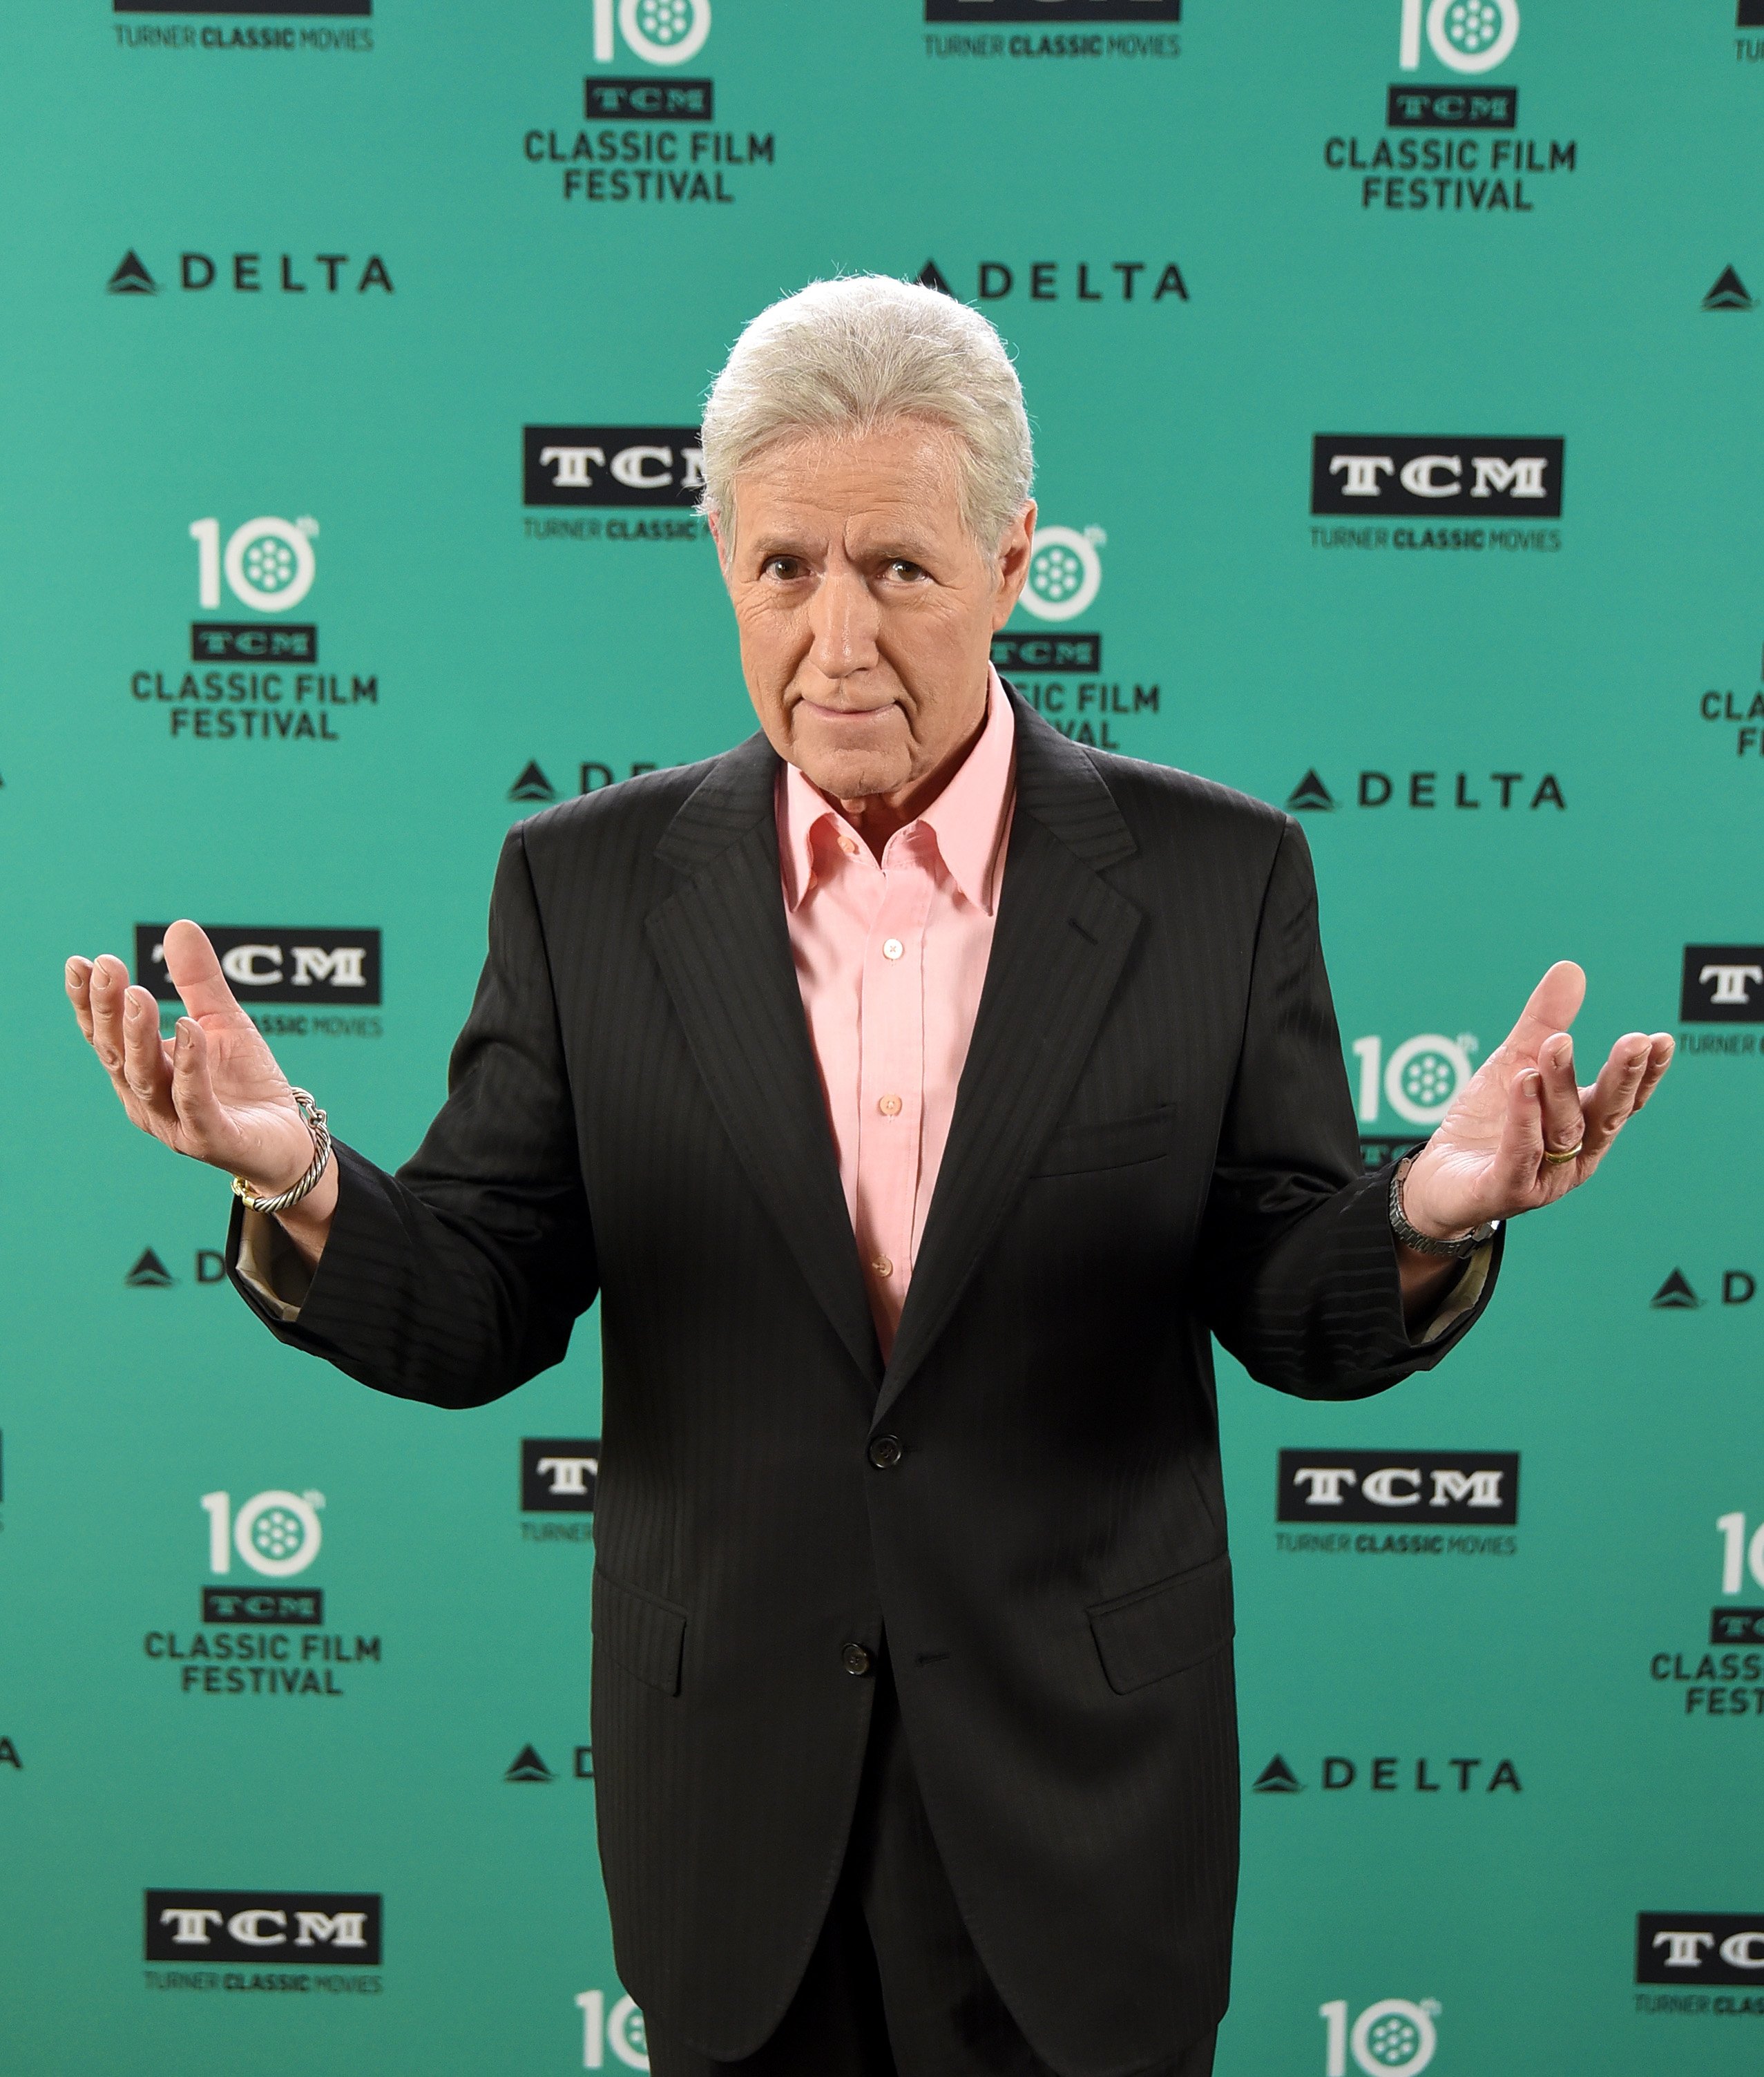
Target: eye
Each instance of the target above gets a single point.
(901, 571)
(784, 569)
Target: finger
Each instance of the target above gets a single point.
(146, 1067)
(79, 986)
(1661, 1046)
(1555, 1003)
(1564, 1123)
(196, 972)
(1613, 1094)
(1519, 1156)
(193, 1091)
(110, 982)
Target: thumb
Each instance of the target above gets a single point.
(1553, 1006)
(196, 973)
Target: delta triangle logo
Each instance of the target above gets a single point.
(132, 277)
(1276, 1779)
(931, 275)
(1675, 1294)
(529, 1767)
(532, 785)
(149, 1274)
(1309, 795)
(1729, 293)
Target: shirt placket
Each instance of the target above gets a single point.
(891, 1085)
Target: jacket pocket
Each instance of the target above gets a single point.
(1157, 1631)
(646, 1636)
(1118, 1144)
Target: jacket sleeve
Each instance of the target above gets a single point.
(1298, 1269)
(459, 1277)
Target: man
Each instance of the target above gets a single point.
(918, 1090)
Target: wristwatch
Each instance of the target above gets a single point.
(1411, 1236)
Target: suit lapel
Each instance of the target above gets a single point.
(1062, 939)
(723, 946)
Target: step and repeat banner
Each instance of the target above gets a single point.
(1399, 388)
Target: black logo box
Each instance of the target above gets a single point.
(658, 474)
(649, 100)
(1734, 993)
(1028, 649)
(297, 964)
(1711, 1930)
(1053, 14)
(273, 1946)
(264, 1605)
(1410, 107)
(253, 641)
(1736, 1626)
(1473, 492)
(245, 7)
(1429, 1489)
(538, 1493)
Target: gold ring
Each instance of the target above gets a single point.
(1567, 1154)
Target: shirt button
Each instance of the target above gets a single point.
(892, 948)
(855, 1660)
(886, 1452)
(849, 846)
(889, 1106)
(882, 1265)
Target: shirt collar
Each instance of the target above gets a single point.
(968, 819)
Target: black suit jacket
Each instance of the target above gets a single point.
(1152, 1143)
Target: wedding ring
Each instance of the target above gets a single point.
(1567, 1154)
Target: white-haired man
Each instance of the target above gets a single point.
(919, 1091)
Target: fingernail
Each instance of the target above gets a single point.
(186, 1026)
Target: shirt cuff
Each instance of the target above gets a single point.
(273, 1266)
(1460, 1299)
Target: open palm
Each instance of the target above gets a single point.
(215, 1092)
(1488, 1158)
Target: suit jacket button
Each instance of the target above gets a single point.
(855, 1660)
(885, 1452)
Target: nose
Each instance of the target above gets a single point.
(843, 617)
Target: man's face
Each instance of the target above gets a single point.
(866, 610)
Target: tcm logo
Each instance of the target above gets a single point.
(559, 1475)
(1699, 1946)
(246, 1925)
(1065, 571)
(276, 1533)
(1392, 2038)
(1051, 14)
(617, 2032)
(1370, 1485)
(612, 465)
(1436, 473)
(1722, 985)
(659, 32)
(270, 963)
(269, 565)
(1464, 35)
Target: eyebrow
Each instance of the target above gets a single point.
(889, 548)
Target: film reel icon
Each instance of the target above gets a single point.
(1394, 2038)
(665, 32)
(1472, 35)
(1065, 572)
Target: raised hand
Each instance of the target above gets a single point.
(1490, 1157)
(215, 1092)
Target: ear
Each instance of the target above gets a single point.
(1013, 554)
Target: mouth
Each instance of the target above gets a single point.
(845, 716)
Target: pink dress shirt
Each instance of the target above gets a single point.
(891, 959)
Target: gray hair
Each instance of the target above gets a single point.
(843, 357)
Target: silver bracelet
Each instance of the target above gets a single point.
(313, 1119)
(1412, 1237)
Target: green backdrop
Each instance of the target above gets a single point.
(323, 268)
